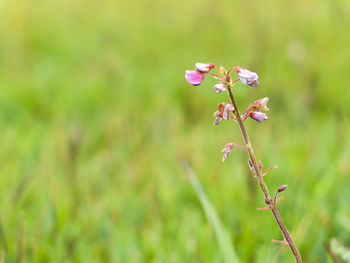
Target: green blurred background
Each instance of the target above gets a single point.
(96, 117)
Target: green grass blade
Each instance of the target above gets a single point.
(222, 236)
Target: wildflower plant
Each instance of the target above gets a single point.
(228, 111)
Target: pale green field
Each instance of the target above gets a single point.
(95, 118)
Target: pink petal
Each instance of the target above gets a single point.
(193, 77)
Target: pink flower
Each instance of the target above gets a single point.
(258, 116)
(204, 67)
(219, 87)
(193, 77)
(247, 77)
(228, 148)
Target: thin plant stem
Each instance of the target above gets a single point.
(259, 177)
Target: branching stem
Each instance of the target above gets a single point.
(259, 177)
(241, 147)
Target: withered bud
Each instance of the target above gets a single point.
(251, 166)
(226, 151)
(223, 112)
(222, 71)
(281, 188)
(250, 163)
(267, 201)
(227, 111)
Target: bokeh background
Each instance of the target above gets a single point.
(96, 117)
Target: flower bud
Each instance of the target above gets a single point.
(219, 87)
(204, 67)
(247, 77)
(281, 188)
(193, 77)
(267, 201)
(258, 116)
(228, 148)
(222, 71)
(260, 164)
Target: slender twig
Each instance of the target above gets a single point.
(280, 242)
(266, 171)
(259, 177)
(214, 75)
(241, 147)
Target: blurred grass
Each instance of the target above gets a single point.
(223, 238)
(95, 113)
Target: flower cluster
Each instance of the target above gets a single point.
(196, 77)
(226, 110)
(254, 111)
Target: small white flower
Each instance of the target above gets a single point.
(219, 87)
